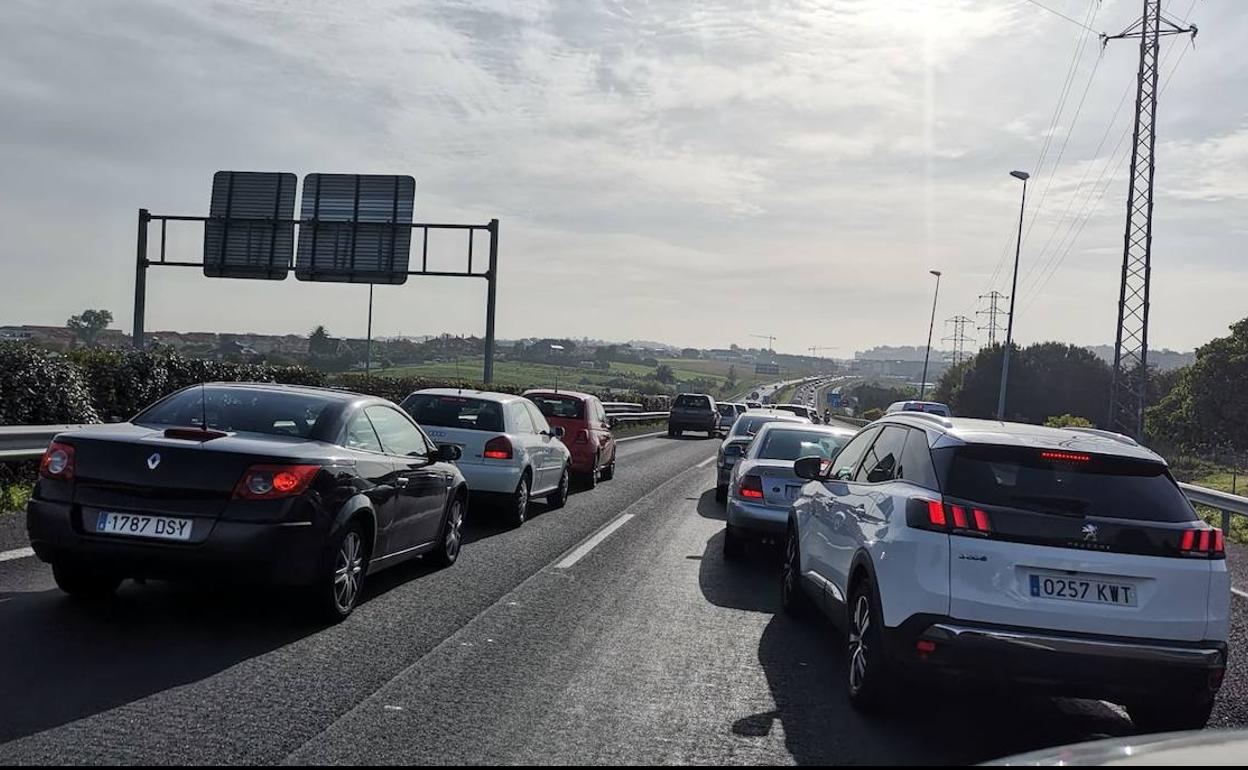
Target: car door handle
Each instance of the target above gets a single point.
(401, 482)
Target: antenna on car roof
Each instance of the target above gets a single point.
(203, 407)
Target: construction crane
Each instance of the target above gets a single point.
(814, 349)
(771, 340)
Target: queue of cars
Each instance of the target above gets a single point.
(1060, 560)
(301, 487)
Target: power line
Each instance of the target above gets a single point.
(1062, 15)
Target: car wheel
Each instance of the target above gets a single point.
(1169, 714)
(452, 534)
(608, 470)
(734, 546)
(721, 493)
(590, 480)
(518, 503)
(671, 432)
(680, 432)
(83, 583)
(868, 673)
(337, 589)
(559, 497)
(793, 598)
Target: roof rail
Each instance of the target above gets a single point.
(936, 418)
(1119, 437)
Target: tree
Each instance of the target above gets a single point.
(320, 343)
(87, 325)
(732, 376)
(664, 374)
(1068, 421)
(1207, 407)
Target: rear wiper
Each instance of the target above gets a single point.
(1065, 506)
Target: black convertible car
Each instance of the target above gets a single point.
(260, 483)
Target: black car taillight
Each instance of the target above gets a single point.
(937, 516)
(1204, 543)
(751, 486)
(58, 462)
(273, 482)
(498, 448)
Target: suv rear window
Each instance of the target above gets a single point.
(726, 410)
(1020, 477)
(748, 425)
(455, 412)
(567, 407)
(694, 402)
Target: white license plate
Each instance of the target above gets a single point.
(142, 525)
(1082, 590)
(792, 491)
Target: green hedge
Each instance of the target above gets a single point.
(39, 387)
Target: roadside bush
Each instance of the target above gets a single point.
(41, 387)
(1068, 421)
(873, 413)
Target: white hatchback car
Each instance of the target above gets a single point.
(507, 447)
(1061, 559)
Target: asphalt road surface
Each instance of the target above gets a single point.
(554, 643)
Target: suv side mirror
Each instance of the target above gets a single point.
(448, 453)
(809, 467)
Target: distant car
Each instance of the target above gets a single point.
(728, 412)
(931, 407)
(252, 483)
(752, 404)
(693, 411)
(763, 484)
(586, 431)
(508, 448)
(801, 410)
(739, 438)
(1065, 560)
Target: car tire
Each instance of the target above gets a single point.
(680, 432)
(559, 497)
(608, 470)
(868, 671)
(793, 598)
(590, 480)
(734, 544)
(1171, 713)
(82, 583)
(340, 579)
(518, 503)
(451, 536)
(671, 432)
(721, 493)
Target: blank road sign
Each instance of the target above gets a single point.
(249, 233)
(355, 228)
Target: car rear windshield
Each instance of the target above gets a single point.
(791, 444)
(455, 412)
(239, 410)
(726, 410)
(1065, 483)
(567, 407)
(696, 402)
(747, 425)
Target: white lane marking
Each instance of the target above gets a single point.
(16, 553)
(579, 552)
(1241, 593)
(644, 435)
(705, 462)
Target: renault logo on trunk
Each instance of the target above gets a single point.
(153, 461)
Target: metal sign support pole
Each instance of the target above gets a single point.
(140, 280)
(490, 300)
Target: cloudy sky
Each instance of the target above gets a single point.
(686, 171)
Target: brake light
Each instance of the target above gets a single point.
(273, 482)
(752, 487)
(959, 516)
(981, 521)
(1066, 457)
(935, 514)
(57, 462)
(498, 448)
(947, 517)
(582, 437)
(1203, 543)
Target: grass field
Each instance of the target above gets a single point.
(1226, 481)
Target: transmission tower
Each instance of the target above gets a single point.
(993, 326)
(1130, 382)
(958, 338)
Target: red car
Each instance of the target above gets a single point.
(586, 431)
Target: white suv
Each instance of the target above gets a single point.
(1062, 559)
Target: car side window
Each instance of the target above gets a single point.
(360, 434)
(846, 461)
(600, 414)
(539, 420)
(398, 435)
(883, 460)
(523, 421)
(916, 461)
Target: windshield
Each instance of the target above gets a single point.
(790, 444)
(694, 402)
(1023, 478)
(567, 407)
(455, 412)
(748, 425)
(239, 410)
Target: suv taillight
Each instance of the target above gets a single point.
(498, 448)
(57, 462)
(751, 486)
(273, 482)
(1203, 543)
(936, 516)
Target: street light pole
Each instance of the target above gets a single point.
(928, 353)
(1009, 327)
(368, 351)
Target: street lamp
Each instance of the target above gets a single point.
(1009, 327)
(928, 353)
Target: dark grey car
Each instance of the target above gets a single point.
(693, 411)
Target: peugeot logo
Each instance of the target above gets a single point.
(1089, 533)
(153, 461)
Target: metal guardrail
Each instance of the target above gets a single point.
(1225, 502)
(27, 442)
(625, 417)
